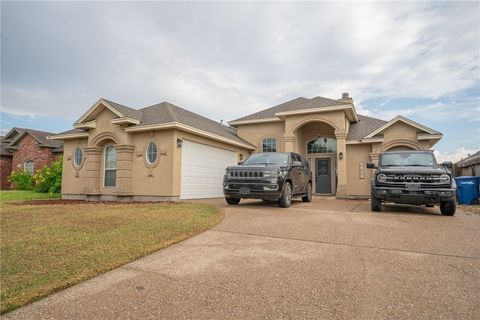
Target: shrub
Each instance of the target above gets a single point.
(49, 178)
(21, 180)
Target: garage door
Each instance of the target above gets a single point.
(203, 168)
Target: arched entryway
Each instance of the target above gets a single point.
(316, 141)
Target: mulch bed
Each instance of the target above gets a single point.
(73, 202)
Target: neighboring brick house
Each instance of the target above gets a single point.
(28, 150)
(5, 164)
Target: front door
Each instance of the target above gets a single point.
(323, 175)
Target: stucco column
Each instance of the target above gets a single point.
(289, 143)
(374, 157)
(124, 169)
(341, 137)
(93, 158)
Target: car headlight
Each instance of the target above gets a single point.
(445, 178)
(270, 174)
(382, 177)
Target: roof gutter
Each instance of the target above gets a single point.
(184, 127)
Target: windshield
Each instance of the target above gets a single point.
(407, 159)
(274, 158)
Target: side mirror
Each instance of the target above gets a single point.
(447, 164)
(371, 165)
(297, 164)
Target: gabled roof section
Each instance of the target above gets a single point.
(406, 121)
(270, 112)
(40, 136)
(13, 133)
(4, 151)
(167, 113)
(299, 105)
(364, 126)
(119, 110)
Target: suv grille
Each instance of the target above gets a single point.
(430, 180)
(247, 174)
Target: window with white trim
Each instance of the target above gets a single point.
(110, 166)
(151, 153)
(269, 145)
(29, 166)
(78, 157)
(322, 145)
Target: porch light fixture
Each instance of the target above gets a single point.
(179, 143)
(340, 155)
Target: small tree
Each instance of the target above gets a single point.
(49, 178)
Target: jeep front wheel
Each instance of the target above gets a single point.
(447, 208)
(308, 196)
(286, 198)
(375, 203)
(232, 201)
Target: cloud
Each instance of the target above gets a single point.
(454, 156)
(435, 112)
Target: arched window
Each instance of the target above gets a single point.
(151, 153)
(269, 145)
(29, 166)
(110, 166)
(322, 145)
(77, 157)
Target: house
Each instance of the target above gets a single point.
(27, 150)
(470, 166)
(164, 152)
(6, 156)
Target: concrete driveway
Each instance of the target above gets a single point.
(322, 260)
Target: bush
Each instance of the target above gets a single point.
(21, 180)
(49, 178)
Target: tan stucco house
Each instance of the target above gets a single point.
(164, 152)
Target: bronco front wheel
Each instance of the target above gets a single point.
(375, 203)
(448, 208)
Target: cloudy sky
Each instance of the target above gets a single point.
(226, 60)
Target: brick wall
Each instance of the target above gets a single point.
(28, 149)
(5, 170)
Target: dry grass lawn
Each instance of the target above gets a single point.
(45, 248)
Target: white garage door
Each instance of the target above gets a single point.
(203, 168)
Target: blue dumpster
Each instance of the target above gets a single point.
(467, 189)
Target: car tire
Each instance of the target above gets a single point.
(375, 203)
(232, 201)
(308, 196)
(286, 198)
(448, 208)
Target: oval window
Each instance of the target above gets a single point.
(78, 157)
(151, 153)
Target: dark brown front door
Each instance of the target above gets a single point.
(323, 175)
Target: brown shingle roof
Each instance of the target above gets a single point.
(40, 136)
(126, 111)
(166, 112)
(364, 126)
(293, 105)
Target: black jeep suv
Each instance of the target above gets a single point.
(412, 177)
(271, 176)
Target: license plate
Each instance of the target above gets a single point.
(412, 186)
(244, 190)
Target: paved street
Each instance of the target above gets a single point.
(326, 259)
